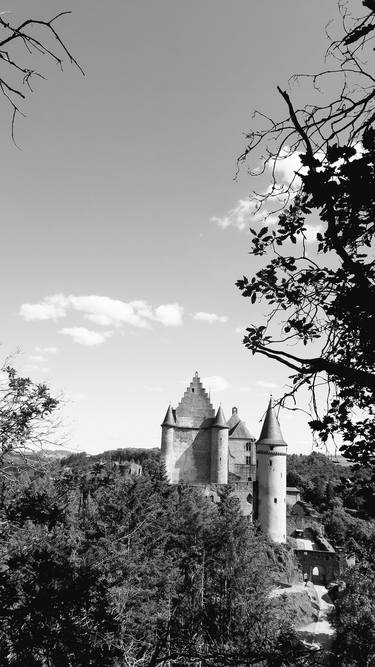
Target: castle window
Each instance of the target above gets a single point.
(249, 479)
(192, 391)
(271, 462)
(248, 446)
(271, 448)
(248, 460)
(275, 500)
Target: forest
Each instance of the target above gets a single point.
(102, 567)
(99, 566)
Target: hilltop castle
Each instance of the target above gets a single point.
(200, 447)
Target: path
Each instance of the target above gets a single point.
(319, 631)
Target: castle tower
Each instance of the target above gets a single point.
(167, 438)
(271, 476)
(219, 449)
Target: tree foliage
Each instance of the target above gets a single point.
(321, 296)
(27, 420)
(104, 568)
(353, 618)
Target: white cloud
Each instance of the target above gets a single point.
(46, 350)
(286, 166)
(215, 383)
(37, 358)
(104, 311)
(84, 336)
(51, 308)
(210, 317)
(170, 314)
(240, 216)
(267, 385)
(254, 210)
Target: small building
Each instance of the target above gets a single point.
(293, 495)
(319, 561)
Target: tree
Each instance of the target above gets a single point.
(353, 618)
(322, 296)
(27, 420)
(39, 38)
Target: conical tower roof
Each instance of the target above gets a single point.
(271, 432)
(169, 419)
(220, 419)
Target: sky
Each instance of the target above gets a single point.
(123, 228)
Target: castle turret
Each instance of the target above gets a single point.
(219, 449)
(271, 476)
(167, 438)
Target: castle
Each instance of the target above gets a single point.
(200, 447)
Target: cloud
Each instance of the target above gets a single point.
(267, 385)
(84, 336)
(238, 217)
(170, 314)
(215, 383)
(286, 166)
(51, 308)
(210, 317)
(46, 350)
(104, 311)
(251, 211)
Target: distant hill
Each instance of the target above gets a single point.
(55, 453)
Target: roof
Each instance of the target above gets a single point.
(169, 419)
(240, 432)
(237, 428)
(292, 489)
(271, 432)
(195, 406)
(220, 419)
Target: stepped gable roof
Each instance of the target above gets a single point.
(220, 421)
(271, 432)
(169, 419)
(195, 408)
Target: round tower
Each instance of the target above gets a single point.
(167, 438)
(219, 449)
(271, 478)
